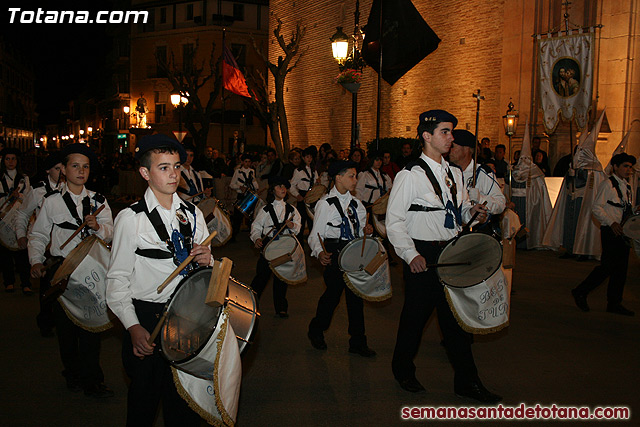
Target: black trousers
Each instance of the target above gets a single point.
(259, 283)
(44, 318)
(613, 265)
(152, 380)
(79, 350)
(21, 260)
(305, 220)
(236, 218)
(423, 294)
(329, 300)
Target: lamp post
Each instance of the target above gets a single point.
(179, 100)
(126, 110)
(353, 60)
(510, 123)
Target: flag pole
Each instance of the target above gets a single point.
(379, 95)
(222, 96)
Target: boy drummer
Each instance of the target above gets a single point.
(269, 220)
(339, 218)
(61, 214)
(151, 238)
(243, 180)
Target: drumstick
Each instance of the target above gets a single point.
(79, 229)
(324, 248)
(473, 218)
(185, 263)
(158, 327)
(195, 195)
(364, 239)
(448, 264)
(281, 228)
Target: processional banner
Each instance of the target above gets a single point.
(566, 78)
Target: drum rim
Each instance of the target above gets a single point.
(351, 243)
(458, 238)
(246, 342)
(166, 309)
(282, 236)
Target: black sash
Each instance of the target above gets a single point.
(73, 210)
(626, 207)
(277, 225)
(6, 188)
(436, 187)
(354, 212)
(247, 181)
(382, 188)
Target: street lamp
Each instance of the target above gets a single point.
(510, 122)
(179, 100)
(353, 61)
(126, 110)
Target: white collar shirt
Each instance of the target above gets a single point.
(23, 186)
(132, 276)
(55, 211)
(327, 219)
(372, 185)
(243, 177)
(488, 188)
(413, 187)
(302, 180)
(32, 203)
(262, 226)
(606, 213)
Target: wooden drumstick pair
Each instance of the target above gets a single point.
(79, 229)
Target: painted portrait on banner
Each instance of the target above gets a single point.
(566, 77)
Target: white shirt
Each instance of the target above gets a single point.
(370, 189)
(54, 211)
(263, 224)
(326, 214)
(23, 185)
(134, 276)
(487, 189)
(301, 181)
(603, 211)
(413, 187)
(30, 205)
(240, 176)
(195, 177)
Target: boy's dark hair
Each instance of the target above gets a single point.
(619, 159)
(145, 158)
(501, 146)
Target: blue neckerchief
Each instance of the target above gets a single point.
(352, 214)
(180, 251)
(449, 216)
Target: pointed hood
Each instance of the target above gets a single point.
(621, 148)
(525, 168)
(585, 157)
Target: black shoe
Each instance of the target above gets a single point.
(580, 299)
(476, 391)
(412, 385)
(619, 309)
(283, 314)
(362, 350)
(73, 384)
(317, 341)
(99, 391)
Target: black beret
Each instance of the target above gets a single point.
(246, 157)
(278, 180)
(438, 116)
(339, 166)
(10, 150)
(52, 159)
(78, 148)
(464, 138)
(152, 142)
(310, 151)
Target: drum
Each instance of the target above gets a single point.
(8, 237)
(366, 272)
(189, 335)
(482, 251)
(379, 207)
(248, 203)
(379, 224)
(217, 219)
(631, 227)
(84, 299)
(286, 259)
(312, 197)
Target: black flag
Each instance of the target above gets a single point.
(407, 38)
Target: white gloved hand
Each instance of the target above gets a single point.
(474, 195)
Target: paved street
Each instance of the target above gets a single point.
(551, 353)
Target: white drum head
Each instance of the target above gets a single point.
(481, 250)
(631, 227)
(284, 245)
(350, 258)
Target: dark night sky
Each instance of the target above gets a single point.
(67, 58)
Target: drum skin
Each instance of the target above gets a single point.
(481, 250)
(631, 227)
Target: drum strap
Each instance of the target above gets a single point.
(73, 210)
(6, 188)
(194, 187)
(382, 188)
(309, 178)
(248, 180)
(453, 210)
(624, 204)
(345, 230)
(288, 209)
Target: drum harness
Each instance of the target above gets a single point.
(247, 182)
(382, 188)
(179, 244)
(450, 207)
(308, 179)
(194, 187)
(624, 204)
(277, 225)
(346, 235)
(73, 210)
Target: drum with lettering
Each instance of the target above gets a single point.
(217, 219)
(366, 269)
(248, 204)
(188, 337)
(84, 299)
(631, 227)
(286, 259)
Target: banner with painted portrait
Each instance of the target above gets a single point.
(566, 79)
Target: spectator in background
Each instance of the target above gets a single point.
(357, 156)
(500, 163)
(538, 159)
(322, 154)
(406, 156)
(389, 167)
(343, 155)
(292, 165)
(485, 152)
(276, 165)
(535, 147)
(516, 157)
